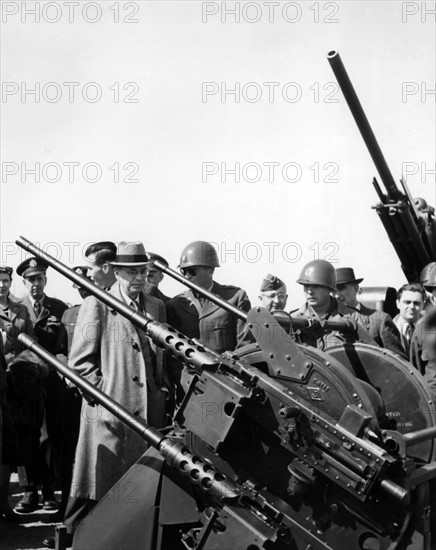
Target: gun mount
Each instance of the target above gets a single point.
(412, 238)
(302, 451)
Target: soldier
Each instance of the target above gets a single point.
(428, 281)
(154, 277)
(98, 259)
(45, 315)
(198, 317)
(273, 296)
(319, 282)
(410, 302)
(110, 352)
(378, 323)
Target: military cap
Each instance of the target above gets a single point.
(81, 270)
(32, 266)
(345, 275)
(152, 257)
(271, 282)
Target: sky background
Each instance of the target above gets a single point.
(150, 121)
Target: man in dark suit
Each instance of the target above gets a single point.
(45, 315)
(98, 258)
(378, 323)
(410, 302)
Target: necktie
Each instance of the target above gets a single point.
(37, 308)
(409, 331)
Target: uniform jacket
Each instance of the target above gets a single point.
(47, 324)
(217, 329)
(121, 361)
(380, 326)
(16, 321)
(324, 339)
(153, 290)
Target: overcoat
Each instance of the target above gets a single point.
(121, 361)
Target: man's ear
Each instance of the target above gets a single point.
(105, 268)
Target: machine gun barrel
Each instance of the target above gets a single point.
(363, 124)
(285, 320)
(165, 336)
(199, 471)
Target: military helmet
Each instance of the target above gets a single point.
(428, 276)
(318, 272)
(199, 253)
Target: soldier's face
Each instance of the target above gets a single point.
(154, 276)
(5, 284)
(35, 285)
(200, 275)
(347, 293)
(131, 279)
(274, 300)
(410, 305)
(317, 296)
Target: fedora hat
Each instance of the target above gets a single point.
(345, 275)
(130, 254)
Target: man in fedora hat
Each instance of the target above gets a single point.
(378, 323)
(121, 360)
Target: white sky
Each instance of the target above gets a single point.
(172, 130)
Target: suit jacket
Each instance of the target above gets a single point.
(48, 322)
(14, 323)
(380, 326)
(405, 343)
(120, 360)
(216, 328)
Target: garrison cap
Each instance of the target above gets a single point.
(271, 282)
(32, 266)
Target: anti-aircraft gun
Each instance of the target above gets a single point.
(413, 238)
(276, 446)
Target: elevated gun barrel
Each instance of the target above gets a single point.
(363, 125)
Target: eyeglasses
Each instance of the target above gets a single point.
(192, 271)
(6, 269)
(281, 296)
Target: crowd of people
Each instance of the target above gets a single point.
(47, 436)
